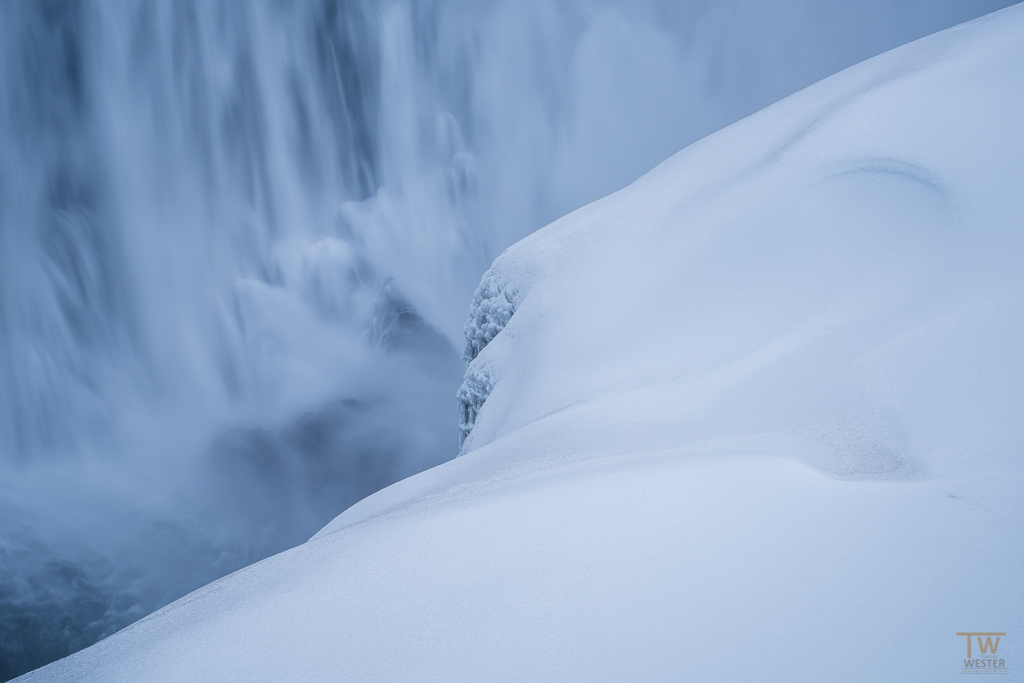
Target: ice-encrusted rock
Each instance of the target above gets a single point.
(475, 389)
(494, 303)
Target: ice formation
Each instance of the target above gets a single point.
(494, 303)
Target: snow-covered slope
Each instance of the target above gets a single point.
(759, 416)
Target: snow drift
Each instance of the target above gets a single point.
(758, 416)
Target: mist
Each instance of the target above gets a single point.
(238, 242)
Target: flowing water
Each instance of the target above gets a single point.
(238, 241)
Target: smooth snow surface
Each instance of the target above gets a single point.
(757, 417)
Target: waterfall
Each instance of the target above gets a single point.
(238, 243)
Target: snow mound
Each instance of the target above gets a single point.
(758, 416)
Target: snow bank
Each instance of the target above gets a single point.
(758, 416)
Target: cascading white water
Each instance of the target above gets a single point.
(238, 242)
